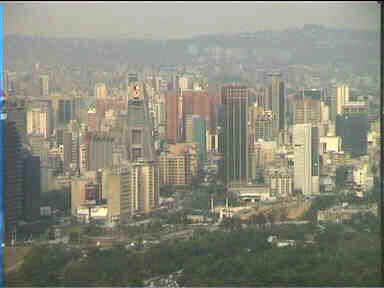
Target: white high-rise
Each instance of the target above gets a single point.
(306, 166)
(39, 122)
(342, 97)
(100, 91)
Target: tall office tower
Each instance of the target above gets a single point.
(212, 139)
(44, 85)
(92, 118)
(260, 97)
(172, 112)
(36, 143)
(276, 95)
(306, 169)
(329, 99)
(261, 123)
(148, 185)
(197, 103)
(139, 131)
(307, 107)
(235, 101)
(65, 109)
(195, 130)
(67, 143)
(100, 152)
(353, 130)
(120, 191)
(16, 112)
(39, 121)
(342, 97)
(31, 188)
(13, 177)
(100, 91)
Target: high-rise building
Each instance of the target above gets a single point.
(276, 95)
(197, 103)
(195, 130)
(175, 169)
(235, 101)
(100, 91)
(92, 118)
(353, 130)
(65, 110)
(183, 83)
(307, 107)
(31, 188)
(16, 112)
(342, 97)
(148, 185)
(67, 145)
(120, 191)
(172, 112)
(13, 177)
(44, 85)
(139, 131)
(39, 121)
(100, 152)
(306, 158)
(212, 139)
(261, 121)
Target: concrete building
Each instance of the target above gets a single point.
(44, 85)
(342, 97)
(13, 177)
(122, 201)
(31, 188)
(353, 131)
(276, 94)
(235, 101)
(330, 144)
(100, 151)
(148, 185)
(307, 107)
(306, 158)
(280, 183)
(100, 91)
(195, 130)
(39, 122)
(92, 118)
(261, 121)
(212, 140)
(175, 169)
(16, 111)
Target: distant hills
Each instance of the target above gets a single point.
(309, 45)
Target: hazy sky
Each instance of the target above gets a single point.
(181, 19)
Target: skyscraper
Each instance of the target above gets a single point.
(13, 177)
(31, 188)
(342, 97)
(276, 95)
(172, 113)
(100, 91)
(306, 169)
(195, 129)
(353, 130)
(307, 107)
(44, 85)
(235, 101)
